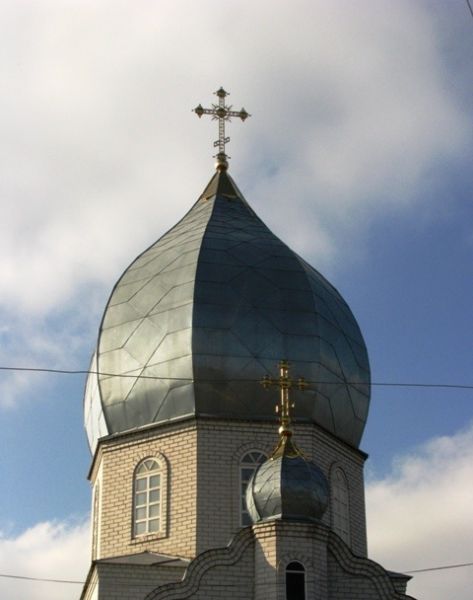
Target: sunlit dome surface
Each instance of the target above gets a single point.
(202, 315)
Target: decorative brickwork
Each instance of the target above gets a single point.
(279, 543)
(216, 574)
(220, 448)
(202, 512)
(118, 457)
(253, 567)
(355, 577)
(203, 458)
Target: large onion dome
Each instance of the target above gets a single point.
(287, 486)
(198, 318)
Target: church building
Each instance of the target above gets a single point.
(202, 491)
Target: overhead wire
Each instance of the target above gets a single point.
(74, 582)
(104, 374)
(441, 568)
(239, 380)
(45, 579)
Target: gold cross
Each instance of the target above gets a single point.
(222, 113)
(284, 383)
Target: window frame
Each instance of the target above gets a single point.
(295, 570)
(242, 510)
(340, 504)
(155, 496)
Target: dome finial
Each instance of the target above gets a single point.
(284, 408)
(287, 485)
(222, 113)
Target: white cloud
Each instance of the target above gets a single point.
(100, 153)
(419, 516)
(47, 550)
(38, 342)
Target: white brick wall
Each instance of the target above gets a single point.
(202, 502)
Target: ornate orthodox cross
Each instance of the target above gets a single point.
(222, 113)
(284, 382)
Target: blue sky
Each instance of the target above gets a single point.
(357, 154)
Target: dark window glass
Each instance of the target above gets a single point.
(295, 581)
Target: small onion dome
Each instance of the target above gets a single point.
(287, 486)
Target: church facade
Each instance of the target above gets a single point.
(200, 491)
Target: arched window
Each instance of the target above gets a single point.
(147, 501)
(295, 581)
(340, 505)
(248, 465)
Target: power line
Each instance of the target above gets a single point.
(190, 379)
(442, 568)
(41, 579)
(122, 375)
(44, 579)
